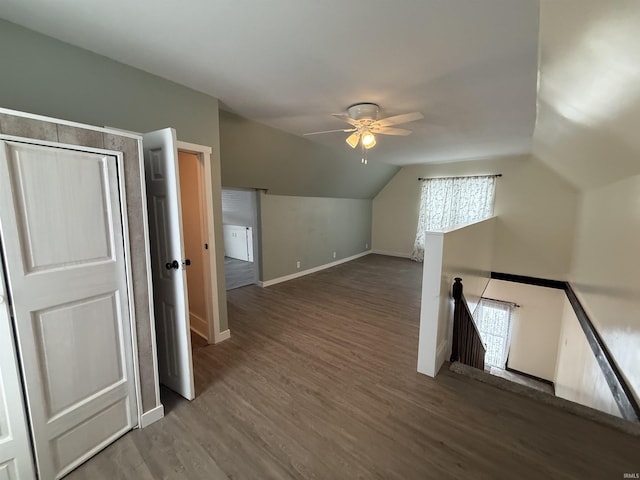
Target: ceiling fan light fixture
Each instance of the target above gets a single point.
(353, 139)
(363, 111)
(363, 118)
(368, 139)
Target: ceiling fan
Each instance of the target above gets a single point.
(365, 125)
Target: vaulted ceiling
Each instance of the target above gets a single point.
(469, 66)
(589, 95)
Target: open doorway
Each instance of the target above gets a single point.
(240, 231)
(197, 227)
(195, 240)
(170, 261)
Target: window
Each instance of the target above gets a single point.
(493, 320)
(450, 202)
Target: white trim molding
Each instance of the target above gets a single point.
(213, 303)
(222, 336)
(196, 323)
(152, 416)
(302, 273)
(391, 254)
(60, 121)
(193, 147)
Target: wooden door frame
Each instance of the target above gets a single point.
(205, 178)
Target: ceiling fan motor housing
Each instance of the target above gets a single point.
(363, 111)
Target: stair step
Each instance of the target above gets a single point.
(575, 408)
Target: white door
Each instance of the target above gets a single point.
(15, 450)
(168, 264)
(62, 240)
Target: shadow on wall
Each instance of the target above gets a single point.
(589, 94)
(586, 156)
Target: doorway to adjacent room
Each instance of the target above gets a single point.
(240, 227)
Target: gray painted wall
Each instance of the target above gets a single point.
(257, 156)
(48, 77)
(317, 201)
(45, 76)
(309, 230)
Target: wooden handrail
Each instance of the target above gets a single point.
(467, 346)
(616, 381)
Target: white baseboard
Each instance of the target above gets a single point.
(222, 336)
(391, 254)
(302, 273)
(152, 416)
(200, 334)
(198, 325)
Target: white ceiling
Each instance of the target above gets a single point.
(589, 96)
(469, 66)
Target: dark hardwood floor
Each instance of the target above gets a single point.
(319, 381)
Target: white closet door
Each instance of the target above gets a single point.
(63, 244)
(16, 462)
(170, 299)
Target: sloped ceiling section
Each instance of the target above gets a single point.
(257, 156)
(589, 93)
(469, 66)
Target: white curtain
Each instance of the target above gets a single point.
(493, 320)
(451, 202)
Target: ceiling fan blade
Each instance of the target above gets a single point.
(396, 119)
(345, 118)
(392, 131)
(343, 130)
(353, 139)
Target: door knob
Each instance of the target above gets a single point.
(170, 265)
(186, 262)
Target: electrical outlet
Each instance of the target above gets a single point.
(298, 264)
(334, 254)
(366, 245)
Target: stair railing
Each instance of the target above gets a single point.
(467, 346)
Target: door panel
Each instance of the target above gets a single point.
(15, 449)
(74, 374)
(103, 425)
(61, 221)
(167, 245)
(51, 238)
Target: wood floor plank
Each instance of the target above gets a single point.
(319, 381)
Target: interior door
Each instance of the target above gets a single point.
(63, 247)
(168, 264)
(15, 449)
